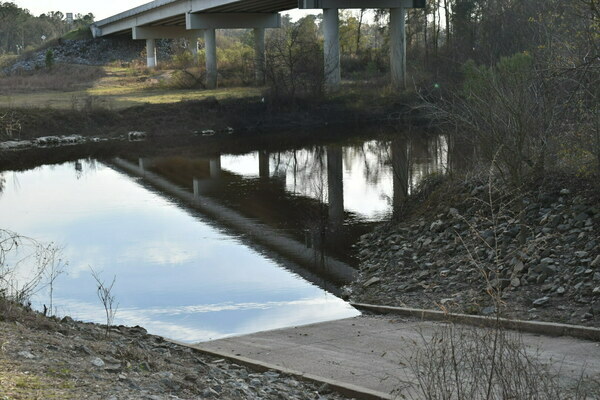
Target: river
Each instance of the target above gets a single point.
(208, 247)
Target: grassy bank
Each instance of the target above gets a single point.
(80, 87)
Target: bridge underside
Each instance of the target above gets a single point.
(163, 19)
(255, 6)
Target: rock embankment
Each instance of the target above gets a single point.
(100, 51)
(537, 248)
(44, 358)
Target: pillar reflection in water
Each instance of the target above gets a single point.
(215, 167)
(335, 186)
(208, 183)
(263, 164)
(400, 169)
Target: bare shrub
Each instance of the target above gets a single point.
(104, 292)
(458, 362)
(294, 61)
(10, 125)
(187, 78)
(56, 268)
(507, 113)
(24, 263)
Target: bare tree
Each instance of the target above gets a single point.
(294, 61)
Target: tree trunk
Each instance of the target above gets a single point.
(447, 11)
(358, 33)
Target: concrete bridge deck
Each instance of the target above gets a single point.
(372, 352)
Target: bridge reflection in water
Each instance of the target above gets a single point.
(306, 205)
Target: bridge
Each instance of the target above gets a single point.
(171, 19)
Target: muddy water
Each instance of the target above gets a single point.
(209, 247)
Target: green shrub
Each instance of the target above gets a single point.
(49, 60)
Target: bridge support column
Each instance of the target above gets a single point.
(151, 53)
(194, 48)
(398, 47)
(331, 32)
(210, 40)
(259, 58)
(335, 186)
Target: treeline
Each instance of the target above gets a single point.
(20, 30)
(518, 80)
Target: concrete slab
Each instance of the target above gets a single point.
(373, 352)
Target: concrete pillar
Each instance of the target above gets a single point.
(151, 53)
(259, 55)
(215, 167)
(398, 47)
(194, 48)
(263, 164)
(210, 41)
(331, 30)
(400, 169)
(335, 185)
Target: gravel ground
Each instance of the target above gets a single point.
(535, 249)
(43, 358)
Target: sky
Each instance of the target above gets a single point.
(100, 9)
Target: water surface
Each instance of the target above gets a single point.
(185, 274)
(177, 275)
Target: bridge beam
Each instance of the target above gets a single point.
(161, 32)
(232, 20)
(360, 4)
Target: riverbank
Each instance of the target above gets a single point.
(460, 246)
(42, 358)
(248, 114)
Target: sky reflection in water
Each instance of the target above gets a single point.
(177, 275)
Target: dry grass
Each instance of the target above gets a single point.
(17, 385)
(63, 77)
(113, 88)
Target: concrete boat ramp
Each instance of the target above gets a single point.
(368, 356)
